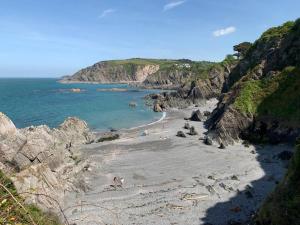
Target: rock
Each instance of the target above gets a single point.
(7, 127)
(76, 90)
(187, 126)
(222, 146)
(208, 141)
(145, 133)
(234, 177)
(193, 131)
(118, 181)
(180, 134)
(211, 177)
(132, 104)
(285, 155)
(206, 113)
(197, 116)
(108, 137)
(157, 108)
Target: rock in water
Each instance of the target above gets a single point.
(132, 104)
(193, 131)
(208, 141)
(197, 116)
(180, 134)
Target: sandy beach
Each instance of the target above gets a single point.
(173, 180)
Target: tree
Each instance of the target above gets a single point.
(242, 49)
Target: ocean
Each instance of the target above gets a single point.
(45, 101)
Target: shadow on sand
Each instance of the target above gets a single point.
(240, 209)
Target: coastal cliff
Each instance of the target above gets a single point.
(43, 162)
(145, 72)
(261, 98)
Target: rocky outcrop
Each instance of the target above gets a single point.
(208, 84)
(42, 159)
(267, 73)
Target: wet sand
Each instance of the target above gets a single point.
(172, 180)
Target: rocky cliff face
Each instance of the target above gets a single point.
(42, 159)
(107, 72)
(261, 101)
(208, 83)
(146, 72)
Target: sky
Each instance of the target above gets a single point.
(52, 38)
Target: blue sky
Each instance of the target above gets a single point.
(52, 38)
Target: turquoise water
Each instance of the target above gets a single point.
(45, 101)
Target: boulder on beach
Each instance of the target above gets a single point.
(193, 131)
(187, 126)
(181, 134)
(222, 146)
(197, 116)
(208, 141)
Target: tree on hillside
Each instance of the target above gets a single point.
(241, 49)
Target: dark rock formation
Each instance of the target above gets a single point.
(181, 134)
(197, 116)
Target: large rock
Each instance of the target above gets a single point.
(7, 127)
(157, 108)
(197, 116)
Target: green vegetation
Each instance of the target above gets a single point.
(277, 32)
(283, 205)
(276, 96)
(12, 211)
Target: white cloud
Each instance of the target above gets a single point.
(173, 5)
(224, 31)
(107, 12)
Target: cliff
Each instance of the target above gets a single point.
(261, 97)
(43, 162)
(146, 72)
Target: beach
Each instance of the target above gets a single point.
(172, 180)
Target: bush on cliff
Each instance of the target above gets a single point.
(276, 96)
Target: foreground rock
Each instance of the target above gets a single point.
(44, 161)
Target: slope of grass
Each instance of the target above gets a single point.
(276, 96)
(283, 205)
(12, 211)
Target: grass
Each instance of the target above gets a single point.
(283, 205)
(12, 213)
(276, 96)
